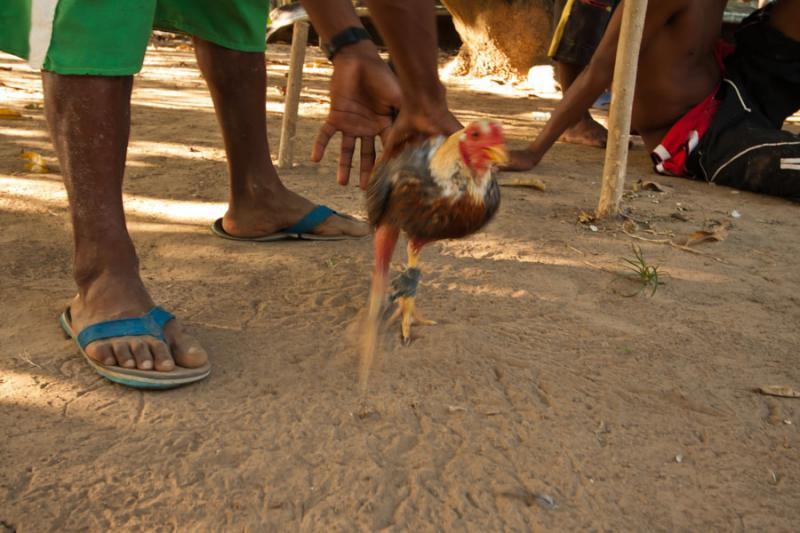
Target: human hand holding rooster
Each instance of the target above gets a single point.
(365, 96)
(418, 120)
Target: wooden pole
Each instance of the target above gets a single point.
(619, 119)
(293, 87)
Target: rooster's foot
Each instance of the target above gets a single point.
(407, 313)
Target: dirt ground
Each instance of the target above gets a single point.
(545, 400)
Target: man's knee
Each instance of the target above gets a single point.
(786, 18)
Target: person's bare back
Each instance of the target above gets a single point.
(677, 69)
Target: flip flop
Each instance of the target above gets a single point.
(298, 231)
(603, 101)
(150, 324)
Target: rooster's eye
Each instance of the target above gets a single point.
(474, 134)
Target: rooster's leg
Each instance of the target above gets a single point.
(406, 291)
(414, 249)
(385, 240)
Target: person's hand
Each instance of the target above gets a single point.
(364, 97)
(418, 121)
(520, 160)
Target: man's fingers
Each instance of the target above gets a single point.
(321, 142)
(367, 160)
(345, 159)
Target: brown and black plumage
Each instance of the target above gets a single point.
(404, 194)
(444, 188)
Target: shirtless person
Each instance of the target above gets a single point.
(699, 117)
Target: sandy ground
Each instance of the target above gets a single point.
(546, 400)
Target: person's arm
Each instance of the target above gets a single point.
(408, 28)
(595, 78)
(331, 16)
(363, 91)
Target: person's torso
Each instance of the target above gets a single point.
(677, 68)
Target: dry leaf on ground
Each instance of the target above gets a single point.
(317, 63)
(642, 185)
(717, 233)
(525, 181)
(585, 217)
(36, 162)
(6, 112)
(779, 390)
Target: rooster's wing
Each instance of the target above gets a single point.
(404, 195)
(412, 165)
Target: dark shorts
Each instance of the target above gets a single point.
(745, 147)
(578, 27)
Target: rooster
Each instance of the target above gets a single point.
(442, 189)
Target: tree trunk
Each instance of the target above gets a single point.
(501, 37)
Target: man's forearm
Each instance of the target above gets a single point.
(409, 29)
(586, 88)
(331, 16)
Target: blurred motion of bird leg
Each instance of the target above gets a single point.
(370, 334)
(384, 242)
(404, 292)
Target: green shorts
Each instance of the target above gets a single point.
(109, 37)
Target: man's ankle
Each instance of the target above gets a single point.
(256, 196)
(255, 190)
(120, 262)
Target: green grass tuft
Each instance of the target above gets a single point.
(647, 275)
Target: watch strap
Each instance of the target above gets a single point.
(344, 38)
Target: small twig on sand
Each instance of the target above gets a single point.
(524, 181)
(27, 358)
(671, 243)
(598, 267)
(575, 249)
(651, 241)
(17, 87)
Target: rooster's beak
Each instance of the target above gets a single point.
(497, 154)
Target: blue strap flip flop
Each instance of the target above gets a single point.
(298, 231)
(150, 324)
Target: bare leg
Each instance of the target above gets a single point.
(786, 18)
(586, 131)
(89, 120)
(259, 203)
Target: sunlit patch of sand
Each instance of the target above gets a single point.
(498, 249)
(16, 194)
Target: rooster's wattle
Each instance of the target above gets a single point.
(442, 189)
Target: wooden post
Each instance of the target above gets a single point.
(619, 119)
(293, 87)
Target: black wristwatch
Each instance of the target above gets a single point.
(345, 37)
